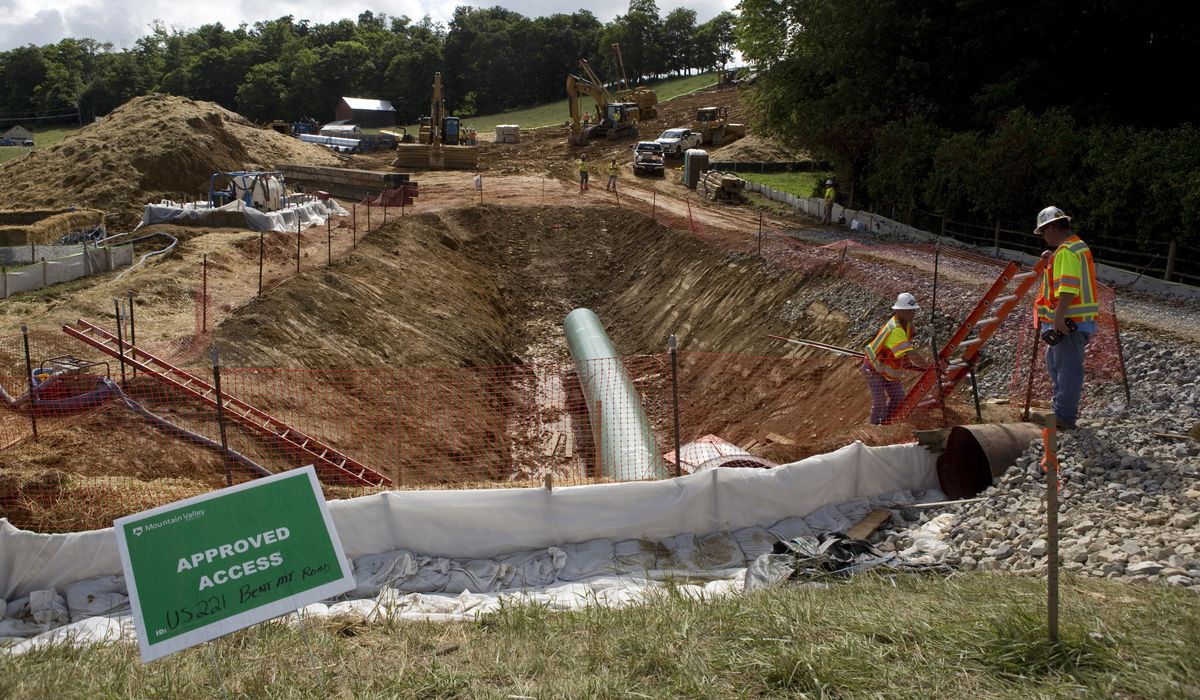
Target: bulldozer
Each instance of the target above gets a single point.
(712, 123)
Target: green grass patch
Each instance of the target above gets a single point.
(41, 137)
(971, 636)
(557, 112)
(799, 183)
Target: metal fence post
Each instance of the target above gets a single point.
(216, 368)
(204, 293)
(996, 238)
(328, 241)
(1050, 464)
(120, 339)
(260, 261)
(760, 220)
(1171, 250)
(29, 376)
(132, 333)
(297, 243)
(672, 343)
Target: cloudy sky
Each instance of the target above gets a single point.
(123, 21)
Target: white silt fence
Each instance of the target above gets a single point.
(79, 261)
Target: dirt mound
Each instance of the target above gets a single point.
(758, 149)
(152, 147)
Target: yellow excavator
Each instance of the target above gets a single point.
(645, 98)
(613, 119)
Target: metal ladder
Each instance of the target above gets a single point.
(328, 461)
(995, 306)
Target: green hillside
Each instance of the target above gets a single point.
(557, 112)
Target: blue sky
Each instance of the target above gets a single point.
(123, 21)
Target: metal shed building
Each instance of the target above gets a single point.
(363, 112)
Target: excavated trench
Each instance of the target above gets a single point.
(434, 353)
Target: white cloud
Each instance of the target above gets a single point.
(123, 21)
(43, 27)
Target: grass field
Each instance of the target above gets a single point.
(969, 636)
(801, 184)
(41, 137)
(553, 113)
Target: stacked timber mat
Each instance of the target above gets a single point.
(421, 155)
(347, 183)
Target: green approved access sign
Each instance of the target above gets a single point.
(202, 568)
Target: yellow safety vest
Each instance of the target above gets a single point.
(1073, 272)
(830, 194)
(614, 170)
(883, 353)
(583, 166)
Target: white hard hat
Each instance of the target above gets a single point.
(829, 182)
(905, 302)
(1048, 216)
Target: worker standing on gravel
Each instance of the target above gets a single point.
(888, 354)
(830, 195)
(613, 171)
(1068, 305)
(583, 172)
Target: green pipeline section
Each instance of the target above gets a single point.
(624, 442)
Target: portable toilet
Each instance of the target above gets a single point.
(695, 161)
(450, 131)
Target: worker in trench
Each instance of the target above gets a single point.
(1066, 310)
(889, 354)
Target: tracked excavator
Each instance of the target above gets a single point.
(645, 98)
(613, 119)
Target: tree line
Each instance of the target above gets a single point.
(491, 59)
(990, 111)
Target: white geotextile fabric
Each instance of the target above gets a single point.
(310, 214)
(439, 546)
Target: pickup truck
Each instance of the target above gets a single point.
(676, 141)
(648, 158)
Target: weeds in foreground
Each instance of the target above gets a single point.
(972, 635)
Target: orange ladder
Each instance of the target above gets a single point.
(1000, 300)
(327, 460)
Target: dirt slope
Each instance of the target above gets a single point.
(151, 147)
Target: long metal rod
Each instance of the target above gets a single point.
(29, 376)
(216, 369)
(1051, 460)
(120, 341)
(1121, 358)
(933, 349)
(975, 393)
(673, 345)
(204, 293)
(132, 332)
(260, 261)
(820, 346)
(1037, 341)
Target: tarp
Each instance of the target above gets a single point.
(476, 524)
(310, 214)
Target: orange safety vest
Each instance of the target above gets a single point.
(1071, 270)
(883, 353)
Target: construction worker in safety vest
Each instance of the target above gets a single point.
(613, 171)
(1065, 310)
(583, 172)
(887, 355)
(830, 195)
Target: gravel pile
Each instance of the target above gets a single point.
(1130, 496)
